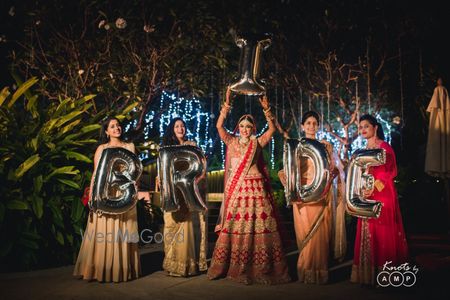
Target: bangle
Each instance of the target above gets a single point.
(269, 115)
(226, 107)
(224, 111)
(267, 110)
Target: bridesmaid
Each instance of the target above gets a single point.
(383, 239)
(184, 231)
(320, 226)
(109, 250)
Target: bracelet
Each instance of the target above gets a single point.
(224, 111)
(269, 115)
(267, 110)
(226, 105)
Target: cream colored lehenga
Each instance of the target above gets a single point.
(185, 240)
(109, 250)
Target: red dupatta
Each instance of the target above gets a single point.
(235, 180)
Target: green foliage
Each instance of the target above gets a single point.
(44, 162)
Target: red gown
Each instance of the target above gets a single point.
(383, 239)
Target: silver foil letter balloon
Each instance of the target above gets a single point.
(358, 179)
(321, 183)
(182, 170)
(294, 152)
(249, 64)
(114, 190)
(291, 168)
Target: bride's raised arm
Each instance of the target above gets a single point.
(265, 138)
(226, 107)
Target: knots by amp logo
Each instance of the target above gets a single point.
(396, 276)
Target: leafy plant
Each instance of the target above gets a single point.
(45, 160)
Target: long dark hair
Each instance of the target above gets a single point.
(169, 137)
(103, 137)
(373, 121)
(308, 114)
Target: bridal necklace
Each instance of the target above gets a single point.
(243, 143)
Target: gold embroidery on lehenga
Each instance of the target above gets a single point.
(182, 257)
(249, 247)
(364, 272)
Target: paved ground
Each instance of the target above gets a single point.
(155, 284)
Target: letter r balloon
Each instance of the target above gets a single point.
(184, 180)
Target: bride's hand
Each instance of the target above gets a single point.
(264, 102)
(228, 97)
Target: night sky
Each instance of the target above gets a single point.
(425, 24)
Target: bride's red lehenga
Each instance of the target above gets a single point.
(249, 248)
(383, 239)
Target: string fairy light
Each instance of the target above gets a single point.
(359, 142)
(198, 122)
(191, 111)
